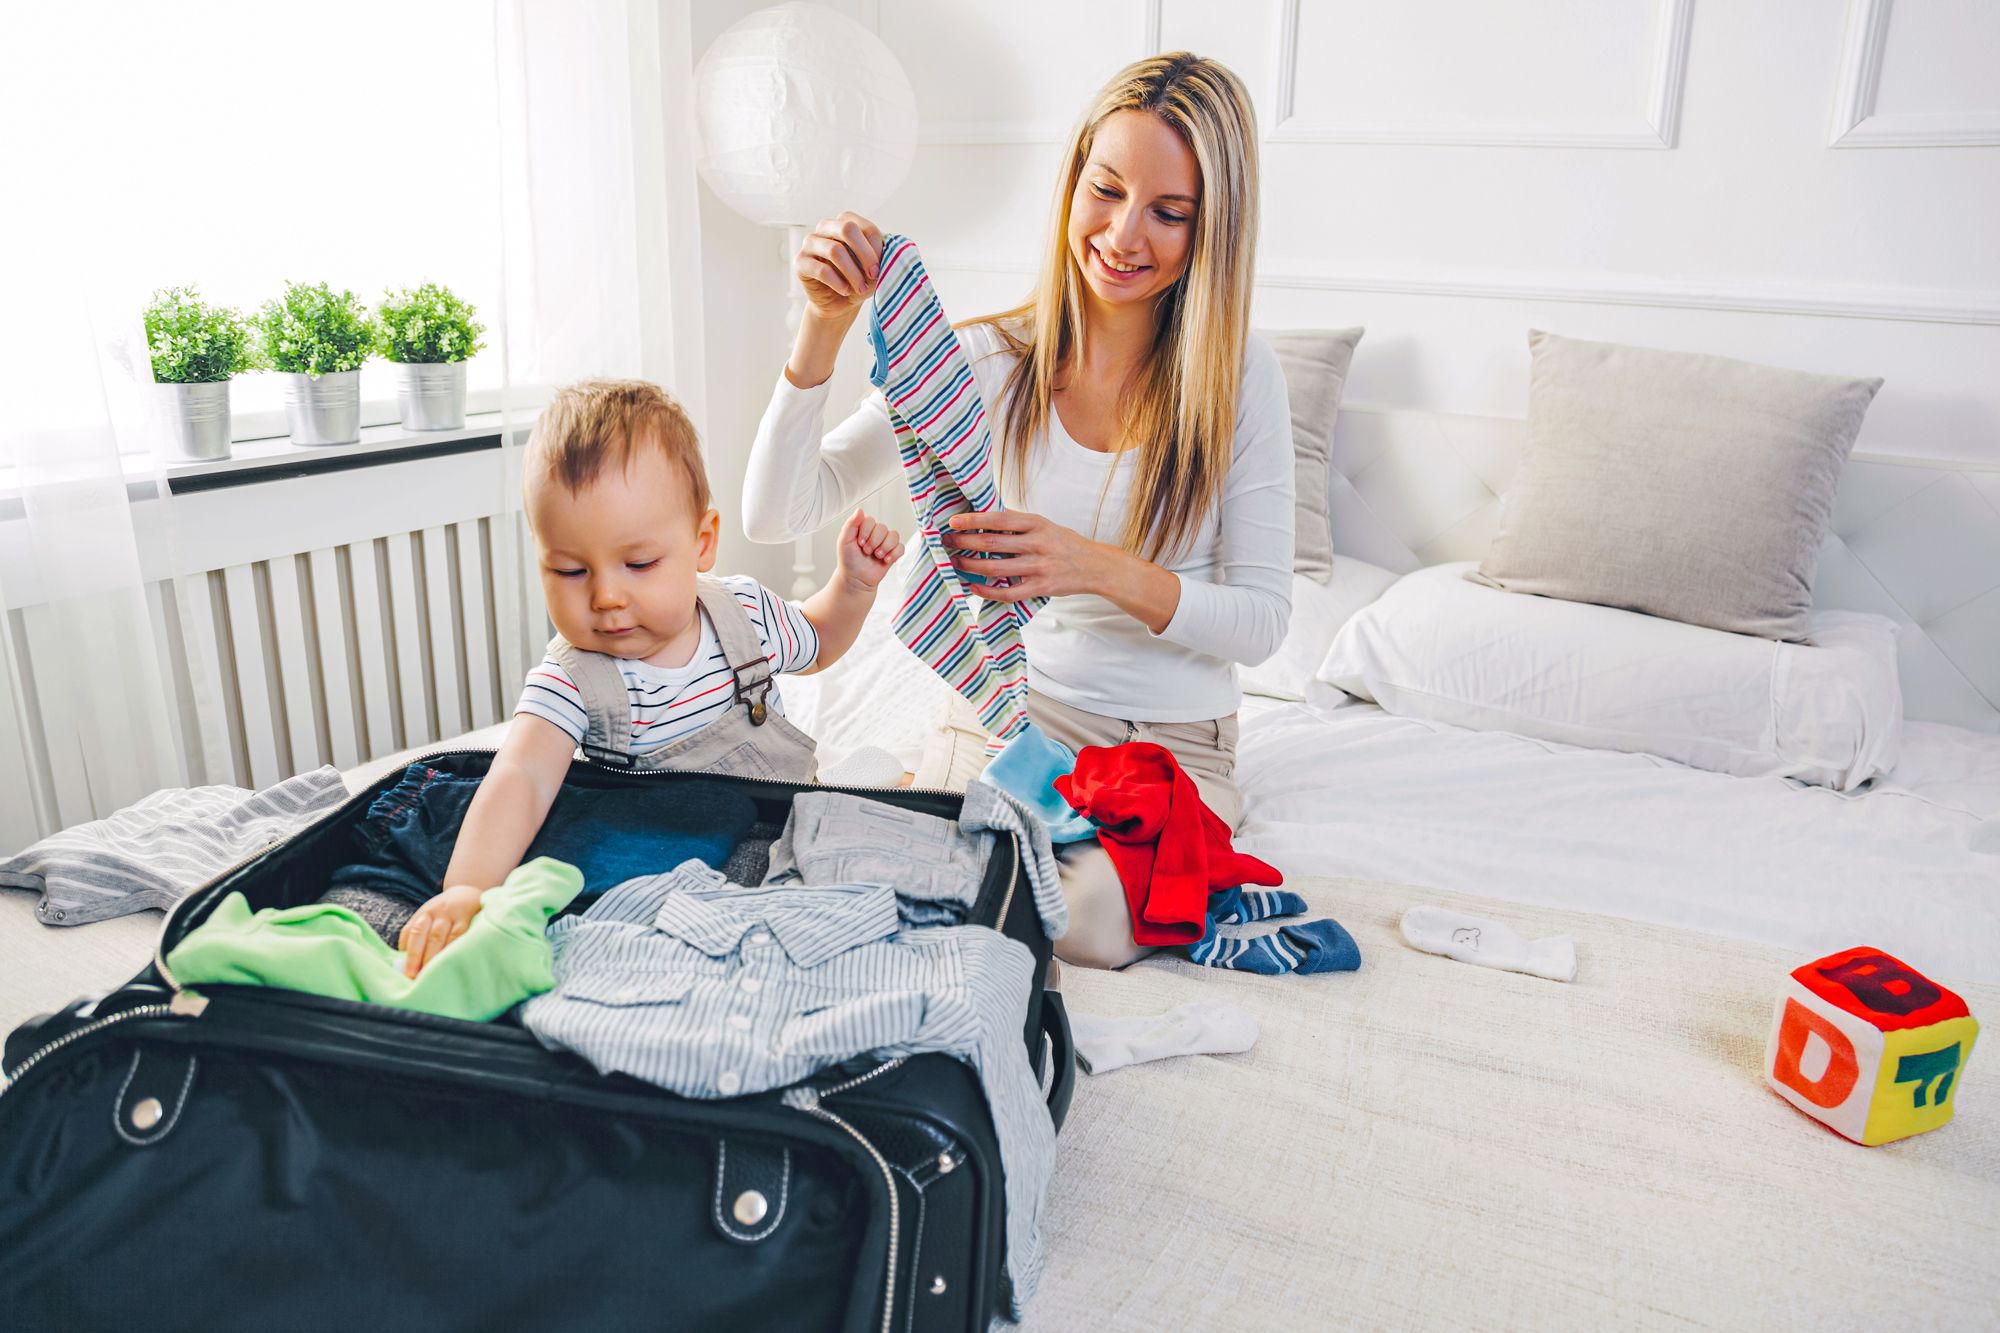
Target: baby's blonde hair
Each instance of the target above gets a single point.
(594, 424)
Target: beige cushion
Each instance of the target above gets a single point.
(1315, 365)
(1692, 487)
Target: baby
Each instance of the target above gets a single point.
(654, 664)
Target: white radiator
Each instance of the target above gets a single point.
(314, 620)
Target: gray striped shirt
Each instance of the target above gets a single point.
(152, 852)
(709, 989)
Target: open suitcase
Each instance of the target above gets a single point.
(252, 1158)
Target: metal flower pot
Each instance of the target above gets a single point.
(431, 394)
(196, 420)
(323, 409)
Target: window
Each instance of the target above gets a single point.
(236, 146)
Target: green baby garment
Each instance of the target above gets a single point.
(501, 960)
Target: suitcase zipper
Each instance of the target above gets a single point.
(808, 1099)
(185, 1004)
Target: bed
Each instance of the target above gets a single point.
(1425, 1144)
(1335, 786)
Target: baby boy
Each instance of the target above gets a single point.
(655, 664)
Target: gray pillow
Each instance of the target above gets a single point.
(1696, 488)
(1315, 365)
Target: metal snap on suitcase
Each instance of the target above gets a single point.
(252, 1158)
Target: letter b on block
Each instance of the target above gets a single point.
(1869, 1046)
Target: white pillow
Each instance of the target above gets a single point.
(1439, 647)
(1318, 612)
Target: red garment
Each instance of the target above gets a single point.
(1171, 851)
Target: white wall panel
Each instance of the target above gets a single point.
(1533, 72)
(1918, 75)
(993, 87)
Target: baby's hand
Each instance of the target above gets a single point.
(437, 923)
(867, 549)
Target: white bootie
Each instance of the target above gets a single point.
(1472, 939)
(1200, 1027)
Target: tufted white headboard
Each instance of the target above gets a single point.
(1914, 540)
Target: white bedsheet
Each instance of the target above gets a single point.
(1911, 865)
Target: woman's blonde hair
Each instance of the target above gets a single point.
(1182, 417)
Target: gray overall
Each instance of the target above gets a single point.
(752, 740)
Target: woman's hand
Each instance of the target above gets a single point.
(838, 265)
(1046, 559)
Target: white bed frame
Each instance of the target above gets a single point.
(1913, 539)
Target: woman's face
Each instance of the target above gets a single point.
(1131, 220)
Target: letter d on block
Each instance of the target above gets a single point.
(1823, 1060)
(1836, 1082)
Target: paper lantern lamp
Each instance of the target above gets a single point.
(802, 112)
(1869, 1046)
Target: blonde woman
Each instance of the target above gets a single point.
(1144, 439)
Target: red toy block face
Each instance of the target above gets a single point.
(1879, 990)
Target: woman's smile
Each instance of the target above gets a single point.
(1108, 268)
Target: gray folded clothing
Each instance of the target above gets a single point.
(384, 913)
(935, 867)
(151, 853)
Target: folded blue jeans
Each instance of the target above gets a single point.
(610, 835)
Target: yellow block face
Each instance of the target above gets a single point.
(1916, 1087)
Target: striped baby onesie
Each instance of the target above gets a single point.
(947, 452)
(671, 702)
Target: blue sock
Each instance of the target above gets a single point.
(1263, 954)
(1310, 946)
(1239, 906)
(1325, 945)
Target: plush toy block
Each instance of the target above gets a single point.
(1869, 1046)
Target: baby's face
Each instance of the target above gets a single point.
(619, 558)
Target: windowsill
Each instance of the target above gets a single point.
(252, 461)
(277, 459)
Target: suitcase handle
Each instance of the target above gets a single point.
(1062, 1054)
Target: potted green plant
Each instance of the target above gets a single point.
(195, 348)
(317, 341)
(429, 335)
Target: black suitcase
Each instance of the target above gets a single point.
(256, 1158)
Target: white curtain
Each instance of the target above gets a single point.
(575, 221)
(600, 239)
(602, 246)
(87, 705)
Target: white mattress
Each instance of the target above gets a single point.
(1912, 865)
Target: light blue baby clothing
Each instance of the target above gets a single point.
(1027, 768)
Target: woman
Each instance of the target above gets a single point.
(1144, 440)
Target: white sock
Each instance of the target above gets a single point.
(1200, 1027)
(1471, 939)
